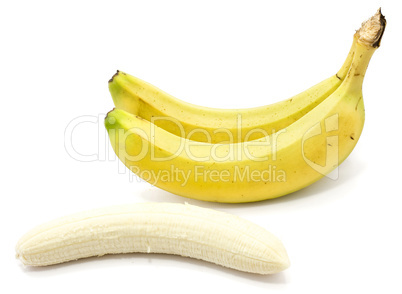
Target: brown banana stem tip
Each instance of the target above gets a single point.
(372, 30)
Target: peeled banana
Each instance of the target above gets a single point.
(180, 229)
(268, 167)
(217, 125)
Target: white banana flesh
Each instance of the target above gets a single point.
(170, 228)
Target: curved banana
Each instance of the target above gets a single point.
(180, 229)
(217, 125)
(269, 167)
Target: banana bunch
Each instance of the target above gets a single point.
(242, 155)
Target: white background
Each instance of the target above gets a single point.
(55, 60)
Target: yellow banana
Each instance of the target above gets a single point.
(269, 167)
(180, 229)
(217, 125)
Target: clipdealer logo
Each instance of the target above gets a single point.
(331, 124)
(200, 173)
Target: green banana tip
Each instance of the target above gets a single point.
(114, 117)
(118, 72)
(107, 117)
(111, 79)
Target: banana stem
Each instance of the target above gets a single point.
(341, 74)
(366, 40)
(354, 79)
